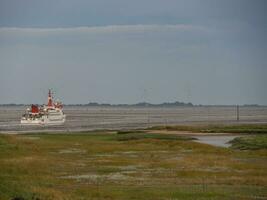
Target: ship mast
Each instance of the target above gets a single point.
(50, 101)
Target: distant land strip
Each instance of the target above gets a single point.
(141, 104)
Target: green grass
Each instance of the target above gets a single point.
(131, 135)
(250, 143)
(132, 165)
(237, 128)
(130, 131)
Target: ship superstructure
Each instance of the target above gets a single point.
(49, 114)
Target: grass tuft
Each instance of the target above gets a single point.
(256, 142)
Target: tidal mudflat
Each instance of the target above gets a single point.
(92, 118)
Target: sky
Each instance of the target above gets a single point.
(124, 51)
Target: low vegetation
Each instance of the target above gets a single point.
(138, 135)
(250, 143)
(236, 128)
(129, 165)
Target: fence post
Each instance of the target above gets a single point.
(237, 113)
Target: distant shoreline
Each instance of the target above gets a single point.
(143, 104)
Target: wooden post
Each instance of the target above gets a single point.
(237, 113)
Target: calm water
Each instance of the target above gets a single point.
(220, 140)
(89, 118)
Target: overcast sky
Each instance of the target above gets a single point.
(125, 51)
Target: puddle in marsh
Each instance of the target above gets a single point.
(220, 141)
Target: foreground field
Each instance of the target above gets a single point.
(129, 165)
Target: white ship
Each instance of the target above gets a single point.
(50, 114)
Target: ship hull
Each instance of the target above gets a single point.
(44, 120)
(30, 122)
(40, 122)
